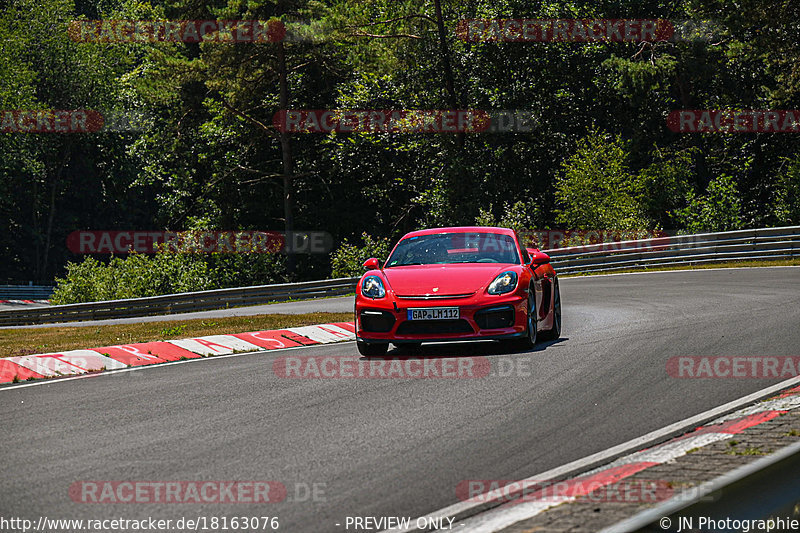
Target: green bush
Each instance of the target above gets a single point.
(348, 259)
(667, 184)
(134, 276)
(246, 269)
(596, 189)
(518, 216)
(140, 275)
(719, 209)
(787, 194)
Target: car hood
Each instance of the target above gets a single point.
(442, 280)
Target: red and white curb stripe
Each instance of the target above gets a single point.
(720, 429)
(25, 302)
(76, 362)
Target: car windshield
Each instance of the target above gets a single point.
(445, 248)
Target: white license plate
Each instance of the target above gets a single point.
(434, 313)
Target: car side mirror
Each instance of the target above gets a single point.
(538, 258)
(372, 264)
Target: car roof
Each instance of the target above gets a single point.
(460, 229)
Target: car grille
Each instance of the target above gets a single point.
(495, 317)
(376, 321)
(434, 327)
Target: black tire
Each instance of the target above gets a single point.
(372, 349)
(555, 332)
(529, 340)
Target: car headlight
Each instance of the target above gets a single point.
(372, 287)
(505, 282)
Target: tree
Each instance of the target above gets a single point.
(52, 181)
(719, 209)
(597, 190)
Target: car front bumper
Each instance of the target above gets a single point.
(386, 320)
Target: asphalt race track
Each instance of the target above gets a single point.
(397, 447)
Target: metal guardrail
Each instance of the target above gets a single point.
(25, 292)
(766, 489)
(769, 243)
(178, 303)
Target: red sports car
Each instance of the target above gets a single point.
(453, 284)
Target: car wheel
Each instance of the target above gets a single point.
(372, 349)
(529, 340)
(555, 332)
